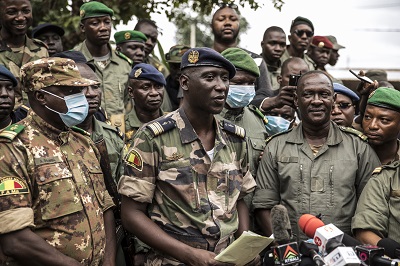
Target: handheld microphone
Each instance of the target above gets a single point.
(392, 248)
(339, 255)
(311, 250)
(286, 253)
(372, 255)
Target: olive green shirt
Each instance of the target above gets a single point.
(328, 183)
(306, 58)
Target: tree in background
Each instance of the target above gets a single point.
(65, 13)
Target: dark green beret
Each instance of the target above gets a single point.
(129, 36)
(241, 60)
(385, 97)
(94, 9)
(302, 20)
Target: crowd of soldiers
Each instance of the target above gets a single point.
(110, 157)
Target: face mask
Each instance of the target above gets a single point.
(276, 124)
(78, 108)
(240, 96)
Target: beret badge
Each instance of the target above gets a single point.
(138, 72)
(321, 44)
(82, 13)
(127, 35)
(371, 94)
(193, 56)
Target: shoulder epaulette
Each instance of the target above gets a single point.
(80, 130)
(234, 129)
(112, 128)
(40, 43)
(258, 113)
(277, 134)
(161, 126)
(25, 108)
(124, 57)
(377, 170)
(354, 132)
(11, 131)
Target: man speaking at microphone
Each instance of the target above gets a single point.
(316, 167)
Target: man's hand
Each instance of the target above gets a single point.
(203, 257)
(285, 97)
(365, 88)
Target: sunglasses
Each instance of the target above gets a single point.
(342, 106)
(301, 33)
(230, 5)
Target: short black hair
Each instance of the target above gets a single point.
(315, 72)
(273, 29)
(145, 21)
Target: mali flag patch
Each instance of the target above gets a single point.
(134, 159)
(12, 185)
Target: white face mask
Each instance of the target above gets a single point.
(240, 96)
(78, 108)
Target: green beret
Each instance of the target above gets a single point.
(386, 98)
(241, 60)
(94, 9)
(129, 36)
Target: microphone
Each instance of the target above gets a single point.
(286, 253)
(339, 255)
(392, 248)
(372, 255)
(311, 250)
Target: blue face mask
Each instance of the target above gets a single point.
(240, 96)
(276, 124)
(78, 108)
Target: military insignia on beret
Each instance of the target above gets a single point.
(138, 72)
(12, 185)
(134, 159)
(371, 94)
(82, 13)
(321, 44)
(193, 56)
(127, 35)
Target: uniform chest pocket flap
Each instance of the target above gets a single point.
(57, 191)
(257, 144)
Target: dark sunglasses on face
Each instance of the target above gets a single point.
(342, 106)
(230, 5)
(301, 32)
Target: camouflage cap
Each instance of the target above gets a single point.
(333, 40)
(52, 71)
(129, 36)
(175, 53)
(388, 98)
(94, 9)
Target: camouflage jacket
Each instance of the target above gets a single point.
(51, 181)
(113, 78)
(33, 50)
(191, 197)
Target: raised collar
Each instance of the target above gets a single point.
(55, 134)
(297, 136)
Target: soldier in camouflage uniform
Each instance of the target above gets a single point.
(16, 48)
(52, 194)
(112, 67)
(186, 173)
(146, 88)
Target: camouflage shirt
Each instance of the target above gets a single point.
(51, 181)
(13, 60)
(191, 197)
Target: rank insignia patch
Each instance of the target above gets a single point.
(12, 185)
(134, 159)
(193, 56)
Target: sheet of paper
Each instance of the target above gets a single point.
(244, 249)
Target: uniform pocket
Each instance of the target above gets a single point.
(97, 178)
(57, 191)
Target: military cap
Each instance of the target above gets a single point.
(377, 74)
(321, 42)
(203, 56)
(147, 71)
(241, 60)
(129, 36)
(301, 20)
(5, 74)
(52, 71)
(42, 28)
(94, 9)
(385, 97)
(175, 53)
(77, 56)
(334, 42)
(339, 88)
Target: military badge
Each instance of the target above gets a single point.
(12, 185)
(371, 94)
(127, 35)
(82, 13)
(321, 44)
(193, 56)
(138, 72)
(134, 159)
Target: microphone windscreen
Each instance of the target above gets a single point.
(349, 241)
(309, 224)
(281, 224)
(392, 248)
